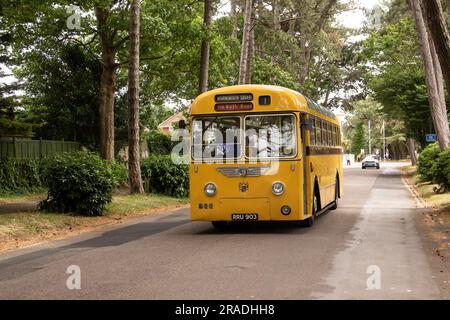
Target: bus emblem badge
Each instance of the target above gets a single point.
(242, 172)
(243, 186)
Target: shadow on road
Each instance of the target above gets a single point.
(115, 237)
(127, 234)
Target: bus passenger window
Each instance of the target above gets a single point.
(334, 136)
(312, 133)
(324, 134)
(330, 136)
(338, 132)
(319, 133)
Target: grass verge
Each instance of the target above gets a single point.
(425, 189)
(9, 198)
(27, 228)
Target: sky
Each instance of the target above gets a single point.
(356, 18)
(351, 19)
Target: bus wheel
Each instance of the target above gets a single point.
(219, 224)
(336, 197)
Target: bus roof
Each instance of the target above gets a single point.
(281, 99)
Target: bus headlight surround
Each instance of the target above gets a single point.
(278, 188)
(210, 189)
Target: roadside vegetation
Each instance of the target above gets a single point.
(431, 177)
(79, 191)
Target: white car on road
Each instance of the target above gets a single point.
(371, 161)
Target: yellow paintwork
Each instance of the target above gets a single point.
(259, 198)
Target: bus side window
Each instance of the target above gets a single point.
(312, 133)
(325, 133)
(338, 136)
(330, 134)
(334, 135)
(319, 133)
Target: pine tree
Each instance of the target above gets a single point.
(358, 139)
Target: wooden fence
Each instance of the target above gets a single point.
(35, 149)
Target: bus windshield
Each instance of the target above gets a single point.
(216, 137)
(270, 136)
(266, 136)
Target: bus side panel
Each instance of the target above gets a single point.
(324, 169)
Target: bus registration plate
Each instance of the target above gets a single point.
(244, 216)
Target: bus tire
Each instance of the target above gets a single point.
(309, 222)
(219, 224)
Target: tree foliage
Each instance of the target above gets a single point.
(397, 78)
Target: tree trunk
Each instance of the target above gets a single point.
(234, 22)
(437, 27)
(305, 60)
(246, 43)
(276, 28)
(438, 107)
(438, 70)
(411, 144)
(107, 86)
(276, 15)
(251, 54)
(133, 102)
(205, 51)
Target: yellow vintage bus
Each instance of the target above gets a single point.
(262, 153)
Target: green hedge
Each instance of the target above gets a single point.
(159, 143)
(20, 176)
(427, 158)
(441, 171)
(80, 182)
(434, 166)
(161, 175)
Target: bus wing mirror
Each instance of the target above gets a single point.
(308, 124)
(182, 124)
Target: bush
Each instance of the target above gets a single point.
(120, 173)
(79, 182)
(441, 171)
(161, 175)
(159, 143)
(427, 158)
(20, 176)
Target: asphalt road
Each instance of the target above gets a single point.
(167, 257)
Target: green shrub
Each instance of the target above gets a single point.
(441, 171)
(161, 175)
(159, 143)
(20, 176)
(120, 173)
(79, 182)
(427, 158)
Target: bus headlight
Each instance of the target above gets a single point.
(210, 189)
(278, 188)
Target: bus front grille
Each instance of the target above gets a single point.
(243, 171)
